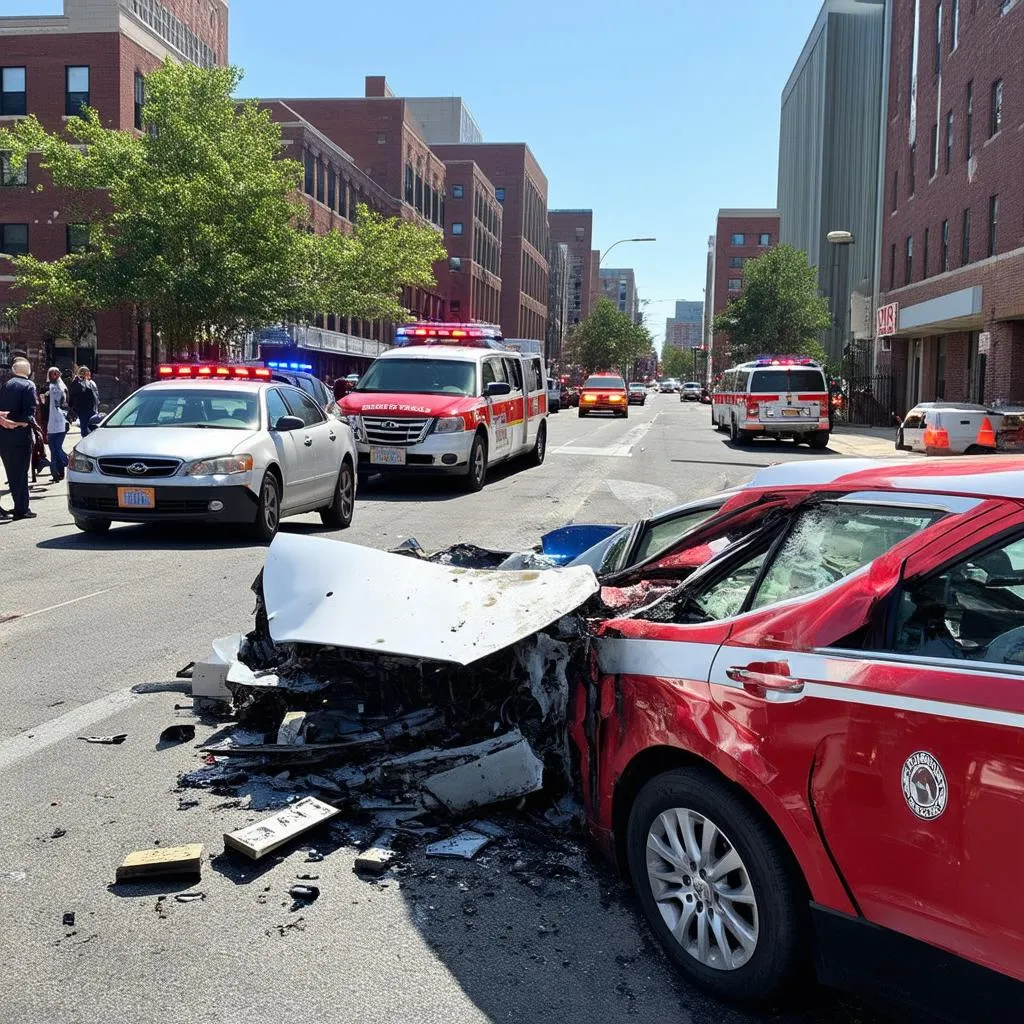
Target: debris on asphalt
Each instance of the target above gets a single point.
(303, 894)
(261, 838)
(178, 734)
(190, 897)
(209, 677)
(377, 858)
(58, 833)
(69, 919)
(465, 845)
(163, 862)
(107, 740)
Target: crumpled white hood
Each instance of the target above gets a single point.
(343, 595)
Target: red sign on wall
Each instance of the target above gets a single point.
(885, 320)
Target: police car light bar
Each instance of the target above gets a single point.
(783, 361)
(206, 370)
(472, 335)
(290, 366)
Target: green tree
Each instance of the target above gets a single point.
(779, 309)
(198, 221)
(676, 363)
(609, 339)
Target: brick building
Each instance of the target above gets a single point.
(95, 52)
(522, 189)
(473, 241)
(575, 228)
(686, 328)
(953, 206)
(740, 235)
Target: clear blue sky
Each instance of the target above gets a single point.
(654, 113)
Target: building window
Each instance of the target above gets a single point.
(738, 239)
(78, 237)
(955, 34)
(912, 183)
(995, 117)
(993, 221)
(949, 139)
(12, 91)
(908, 269)
(419, 194)
(735, 262)
(458, 192)
(938, 38)
(409, 184)
(933, 156)
(944, 265)
(320, 175)
(76, 91)
(924, 254)
(965, 239)
(309, 173)
(892, 266)
(382, 138)
(735, 284)
(140, 98)
(970, 120)
(332, 188)
(455, 263)
(456, 227)
(499, 194)
(764, 239)
(13, 239)
(895, 189)
(11, 176)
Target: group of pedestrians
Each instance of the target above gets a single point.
(29, 420)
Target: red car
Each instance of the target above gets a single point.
(812, 749)
(604, 392)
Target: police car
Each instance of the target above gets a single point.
(449, 399)
(214, 444)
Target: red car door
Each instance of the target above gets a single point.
(920, 787)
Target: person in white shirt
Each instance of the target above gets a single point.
(57, 423)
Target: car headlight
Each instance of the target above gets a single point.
(449, 424)
(225, 465)
(590, 398)
(615, 398)
(79, 463)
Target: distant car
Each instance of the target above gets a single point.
(570, 397)
(604, 392)
(668, 386)
(313, 386)
(554, 396)
(949, 428)
(690, 392)
(637, 394)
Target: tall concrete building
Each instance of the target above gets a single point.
(686, 328)
(619, 285)
(829, 144)
(575, 228)
(445, 120)
(95, 53)
(559, 280)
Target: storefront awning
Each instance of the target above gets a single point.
(954, 311)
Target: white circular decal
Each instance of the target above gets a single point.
(924, 785)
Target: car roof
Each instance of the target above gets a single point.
(983, 476)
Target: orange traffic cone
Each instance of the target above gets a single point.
(986, 435)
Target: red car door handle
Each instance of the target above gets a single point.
(759, 677)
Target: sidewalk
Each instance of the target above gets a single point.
(866, 442)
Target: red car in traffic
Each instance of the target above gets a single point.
(604, 392)
(811, 749)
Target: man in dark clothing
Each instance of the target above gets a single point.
(84, 399)
(18, 402)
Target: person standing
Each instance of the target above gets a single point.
(18, 401)
(84, 399)
(57, 423)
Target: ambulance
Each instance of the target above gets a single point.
(773, 396)
(449, 399)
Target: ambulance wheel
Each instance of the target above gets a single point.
(718, 886)
(818, 440)
(540, 449)
(476, 474)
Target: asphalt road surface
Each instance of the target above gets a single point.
(530, 931)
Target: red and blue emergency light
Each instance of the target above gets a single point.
(783, 361)
(290, 366)
(208, 371)
(469, 335)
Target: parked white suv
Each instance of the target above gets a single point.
(217, 449)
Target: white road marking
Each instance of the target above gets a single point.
(64, 604)
(622, 449)
(75, 722)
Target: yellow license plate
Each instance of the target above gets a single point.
(792, 412)
(136, 497)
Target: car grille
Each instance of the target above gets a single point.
(151, 467)
(175, 506)
(396, 432)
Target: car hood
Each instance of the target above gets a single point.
(170, 442)
(374, 404)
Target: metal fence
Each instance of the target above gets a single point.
(868, 400)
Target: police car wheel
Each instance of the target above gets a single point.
(268, 511)
(338, 515)
(718, 886)
(476, 475)
(540, 449)
(91, 525)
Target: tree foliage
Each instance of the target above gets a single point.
(779, 309)
(608, 339)
(198, 221)
(677, 363)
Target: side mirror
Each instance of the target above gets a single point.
(286, 423)
(497, 388)
(96, 420)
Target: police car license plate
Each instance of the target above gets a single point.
(387, 456)
(136, 497)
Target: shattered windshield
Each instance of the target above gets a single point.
(420, 377)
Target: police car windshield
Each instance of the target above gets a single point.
(420, 377)
(782, 379)
(187, 407)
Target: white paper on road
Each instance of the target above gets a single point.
(343, 595)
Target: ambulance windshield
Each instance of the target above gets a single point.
(420, 377)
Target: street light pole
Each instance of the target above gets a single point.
(619, 242)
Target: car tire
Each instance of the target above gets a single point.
(540, 447)
(89, 524)
(554, 407)
(338, 515)
(582, 413)
(476, 473)
(766, 942)
(268, 509)
(818, 440)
